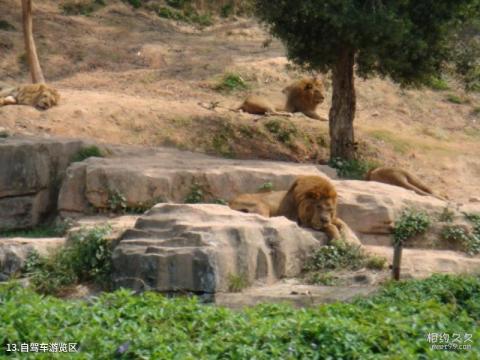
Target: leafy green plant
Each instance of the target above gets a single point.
(340, 255)
(470, 241)
(267, 186)
(196, 194)
(395, 320)
(410, 223)
(231, 82)
(87, 257)
(56, 228)
(437, 83)
(87, 152)
(284, 131)
(220, 201)
(236, 283)
(352, 169)
(117, 202)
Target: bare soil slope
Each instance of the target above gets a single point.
(128, 76)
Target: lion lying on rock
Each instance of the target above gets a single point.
(311, 201)
(40, 96)
(302, 96)
(399, 177)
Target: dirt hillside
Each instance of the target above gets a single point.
(129, 76)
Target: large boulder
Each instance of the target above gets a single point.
(204, 248)
(144, 177)
(31, 173)
(371, 208)
(15, 251)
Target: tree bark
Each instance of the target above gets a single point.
(30, 49)
(342, 111)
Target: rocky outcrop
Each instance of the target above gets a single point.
(31, 171)
(421, 263)
(209, 248)
(15, 251)
(146, 177)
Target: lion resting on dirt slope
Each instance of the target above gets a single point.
(400, 177)
(302, 96)
(40, 96)
(311, 201)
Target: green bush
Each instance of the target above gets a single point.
(196, 195)
(340, 255)
(392, 324)
(87, 257)
(470, 241)
(439, 84)
(352, 169)
(410, 224)
(231, 82)
(87, 152)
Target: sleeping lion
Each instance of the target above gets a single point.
(40, 96)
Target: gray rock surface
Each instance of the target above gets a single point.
(14, 252)
(31, 171)
(206, 248)
(168, 175)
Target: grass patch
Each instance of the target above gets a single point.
(339, 255)
(410, 223)
(81, 7)
(400, 146)
(134, 3)
(179, 11)
(396, 320)
(236, 283)
(455, 99)
(5, 25)
(231, 82)
(438, 84)
(447, 215)
(55, 229)
(283, 130)
(355, 169)
(86, 258)
(86, 152)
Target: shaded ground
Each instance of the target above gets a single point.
(128, 76)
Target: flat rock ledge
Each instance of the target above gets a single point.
(207, 248)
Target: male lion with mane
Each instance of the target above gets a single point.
(40, 96)
(302, 96)
(311, 201)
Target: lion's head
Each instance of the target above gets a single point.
(316, 201)
(314, 91)
(46, 97)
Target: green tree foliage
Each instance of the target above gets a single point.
(408, 40)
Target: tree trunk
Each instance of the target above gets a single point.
(342, 111)
(30, 49)
(397, 260)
